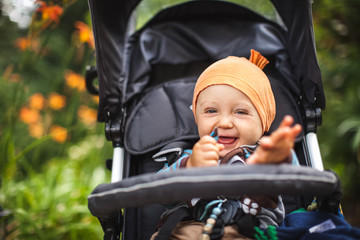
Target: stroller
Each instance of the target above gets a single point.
(146, 79)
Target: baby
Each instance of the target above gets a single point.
(234, 107)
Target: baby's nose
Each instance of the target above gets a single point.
(225, 122)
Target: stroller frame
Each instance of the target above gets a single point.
(113, 26)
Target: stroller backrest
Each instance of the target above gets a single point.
(164, 59)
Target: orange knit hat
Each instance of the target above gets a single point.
(246, 76)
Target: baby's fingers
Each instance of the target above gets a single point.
(287, 130)
(220, 146)
(287, 121)
(212, 141)
(266, 142)
(296, 130)
(207, 139)
(277, 136)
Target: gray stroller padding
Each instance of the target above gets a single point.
(210, 182)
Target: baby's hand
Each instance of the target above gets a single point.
(276, 147)
(205, 153)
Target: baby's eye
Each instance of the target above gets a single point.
(241, 112)
(210, 110)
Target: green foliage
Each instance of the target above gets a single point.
(47, 173)
(147, 9)
(348, 126)
(337, 41)
(52, 203)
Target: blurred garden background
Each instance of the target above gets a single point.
(52, 150)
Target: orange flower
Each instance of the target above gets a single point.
(37, 101)
(26, 43)
(23, 43)
(87, 115)
(36, 130)
(29, 116)
(49, 14)
(57, 101)
(85, 33)
(58, 133)
(75, 80)
(95, 99)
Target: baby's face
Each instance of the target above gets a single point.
(232, 112)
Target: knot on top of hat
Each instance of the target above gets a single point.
(258, 59)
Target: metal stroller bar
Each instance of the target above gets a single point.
(117, 165)
(310, 140)
(314, 154)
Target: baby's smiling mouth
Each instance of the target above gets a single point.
(227, 140)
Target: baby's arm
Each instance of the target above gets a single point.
(276, 147)
(205, 153)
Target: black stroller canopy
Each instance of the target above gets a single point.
(170, 52)
(110, 24)
(177, 44)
